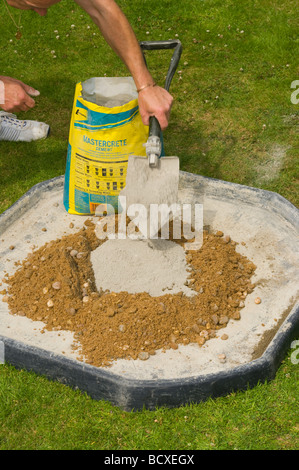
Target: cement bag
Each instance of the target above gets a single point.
(105, 129)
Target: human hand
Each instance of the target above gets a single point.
(155, 101)
(17, 95)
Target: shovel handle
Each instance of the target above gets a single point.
(162, 45)
(154, 126)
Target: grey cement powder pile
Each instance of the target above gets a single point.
(153, 266)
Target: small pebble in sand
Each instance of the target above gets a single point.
(131, 310)
(85, 299)
(236, 315)
(223, 320)
(224, 337)
(143, 355)
(56, 285)
(110, 312)
(73, 253)
(12, 247)
(257, 300)
(200, 340)
(195, 328)
(222, 358)
(204, 334)
(50, 303)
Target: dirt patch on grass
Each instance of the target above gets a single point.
(273, 162)
(55, 284)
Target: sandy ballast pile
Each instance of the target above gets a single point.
(130, 298)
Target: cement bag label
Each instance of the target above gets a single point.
(101, 139)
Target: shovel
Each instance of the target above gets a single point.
(154, 179)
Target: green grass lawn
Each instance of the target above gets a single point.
(233, 120)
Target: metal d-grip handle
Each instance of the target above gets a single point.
(154, 126)
(159, 45)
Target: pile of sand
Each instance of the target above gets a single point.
(110, 295)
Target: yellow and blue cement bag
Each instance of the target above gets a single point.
(105, 129)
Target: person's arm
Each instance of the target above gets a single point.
(153, 100)
(17, 95)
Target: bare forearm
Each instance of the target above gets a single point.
(118, 33)
(106, 14)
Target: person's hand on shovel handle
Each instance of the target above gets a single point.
(155, 101)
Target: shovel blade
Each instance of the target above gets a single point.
(147, 186)
(152, 185)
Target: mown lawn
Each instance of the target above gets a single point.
(232, 119)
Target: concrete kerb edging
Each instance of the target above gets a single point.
(131, 394)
